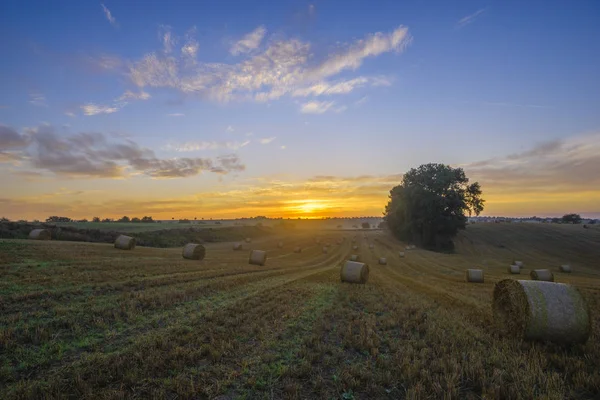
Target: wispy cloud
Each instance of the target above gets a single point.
(94, 109)
(38, 99)
(230, 129)
(96, 155)
(109, 16)
(249, 42)
(267, 140)
(316, 107)
(206, 145)
(280, 69)
(469, 18)
(167, 38)
(129, 95)
(570, 163)
(70, 114)
(361, 101)
(516, 105)
(176, 115)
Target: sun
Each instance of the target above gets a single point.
(310, 207)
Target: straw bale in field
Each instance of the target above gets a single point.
(383, 261)
(124, 242)
(258, 257)
(248, 240)
(354, 257)
(238, 246)
(298, 249)
(355, 247)
(280, 245)
(40, 234)
(401, 254)
(194, 251)
(474, 275)
(514, 269)
(542, 275)
(371, 246)
(325, 249)
(354, 272)
(538, 310)
(518, 264)
(565, 268)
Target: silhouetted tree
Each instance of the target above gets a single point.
(124, 219)
(430, 204)
(96, 219)
(55, 218)
(365, 225)
(136, 220)
(571, 218)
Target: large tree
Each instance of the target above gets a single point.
(430, 205)
(571, 218)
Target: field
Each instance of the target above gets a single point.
(84, 320)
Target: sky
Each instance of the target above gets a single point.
(229, 109)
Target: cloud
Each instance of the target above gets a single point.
(283, 67)
(167, 39)
(189, 51)
(206, 145)
(560, 165)
(70, 114)
(316, 107)
(469, 18)
(230, 129)
(109, 16)
(129, 95)
(267, 140)
(11, 139)
(11, 144)
(94, 155)
(94, 109)
(37, 99)
(176, 115)
(249, 42)
(361, 101)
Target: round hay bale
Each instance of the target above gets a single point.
(124, 242)
(542, 275)
(474, 275)
(325, 249)
(258, 257)
(383, 261)
(401, 254)
(40, 234)
(354, 247)
(238, 246)
(371, 246)
(565, 268)
(407, 248)
(518, 264)
(354, 257)
(537, 310)
(193, 251)
(514, 269)
(298, 250)
(248, 240)
(354, 272)
(280, 245)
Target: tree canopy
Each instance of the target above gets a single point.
(571, 218)
(431, 205)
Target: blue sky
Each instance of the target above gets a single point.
(290, 91)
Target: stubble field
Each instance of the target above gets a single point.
(85, 320)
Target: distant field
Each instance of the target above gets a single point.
(84, 320)
(135, 226)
